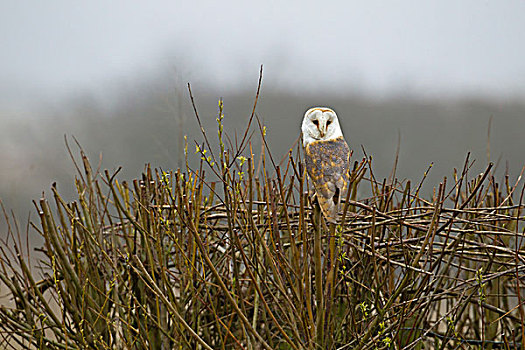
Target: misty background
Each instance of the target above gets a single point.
(429, 75)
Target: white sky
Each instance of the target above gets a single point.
(448, 47)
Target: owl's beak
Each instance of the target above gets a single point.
(322, 129)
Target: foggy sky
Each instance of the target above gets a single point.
(52, 49)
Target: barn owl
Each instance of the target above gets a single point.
(327, 159)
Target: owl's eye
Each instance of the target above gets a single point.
(328, 122)
(316, 122)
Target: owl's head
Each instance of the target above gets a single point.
(320, 123)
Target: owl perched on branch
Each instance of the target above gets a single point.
(327, 159)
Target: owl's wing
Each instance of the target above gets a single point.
(327, 164)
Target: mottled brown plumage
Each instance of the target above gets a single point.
(327, 164)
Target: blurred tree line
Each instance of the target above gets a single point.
(145, 125)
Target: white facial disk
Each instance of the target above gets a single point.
(320, 123)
